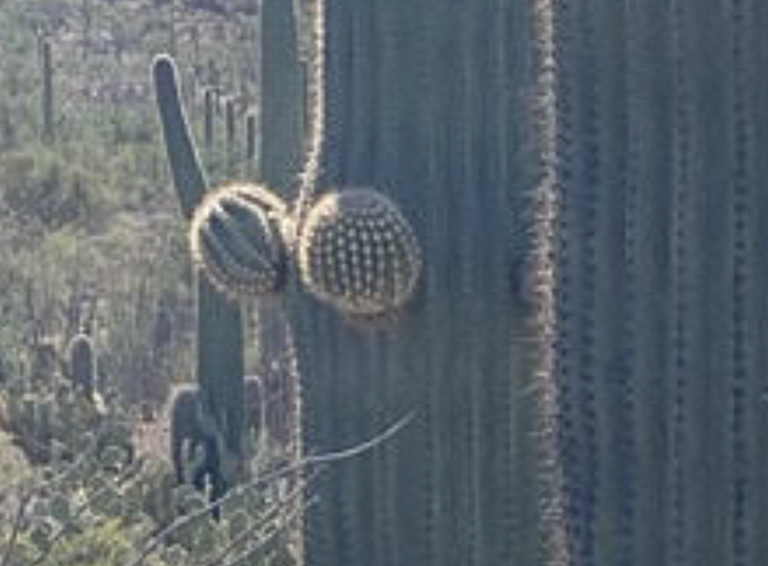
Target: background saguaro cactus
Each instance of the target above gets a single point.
(46, 97)
(425, 102)
(81, 363)
(219, 352)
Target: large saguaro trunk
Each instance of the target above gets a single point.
(658, 244)
(425, 101)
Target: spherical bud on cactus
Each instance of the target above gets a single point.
(359, 254)
(236, 240)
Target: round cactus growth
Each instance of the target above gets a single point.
(235, 239)
(359, 254)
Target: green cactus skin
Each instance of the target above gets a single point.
(657, 255)
(220, 357)
(235, 239)
(418, 101)
(47, 94)
(81, 363)
(358, 253)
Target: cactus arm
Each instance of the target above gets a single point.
(188, 177)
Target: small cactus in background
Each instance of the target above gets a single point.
(250, 137)
(235, 240)
(209, 111)
(47, 94)
(81, 363)
(189, 435)
(219, 367)
(359, 254)
(230, 133)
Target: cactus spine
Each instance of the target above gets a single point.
(219, 322)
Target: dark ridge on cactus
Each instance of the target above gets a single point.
(235, 240)
(359, 254)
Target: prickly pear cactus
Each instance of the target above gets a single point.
(235, 239)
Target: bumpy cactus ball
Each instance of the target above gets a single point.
(359, 254)
(235, 239)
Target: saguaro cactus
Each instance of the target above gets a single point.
(46, 99)
(219, 323)
(657, 244)
(420, 100)
(250, 139)
(81, 363)
(281, 96)
(230, 134)
(209, 119)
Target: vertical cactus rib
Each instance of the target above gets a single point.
(565, 280)
(552, 422)
(645, 237)
(679, 332)
(614, 384)
(741, 273)
(586, 188)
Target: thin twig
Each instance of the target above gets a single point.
(263, 541)
(263, 520)
(81, 509)
(18, 520)
(264, 479)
